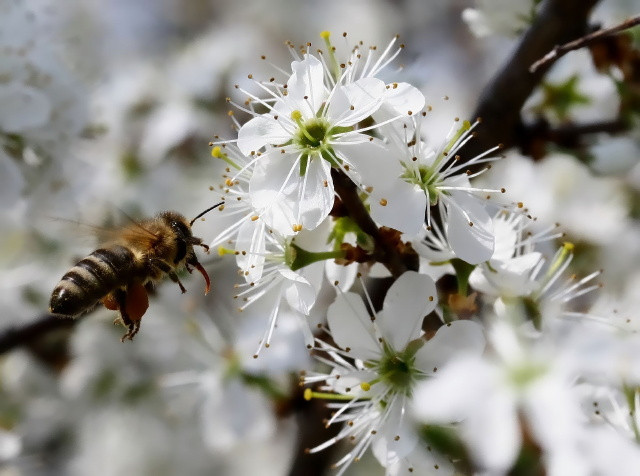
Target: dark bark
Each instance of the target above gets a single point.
(558, 22)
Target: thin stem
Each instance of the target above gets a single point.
(561, 50)
(558, 22)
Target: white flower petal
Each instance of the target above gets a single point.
(506, 235)
(299, 292)
(402, 98)
(351, 327)
(453, 392)
(508, 278)
(355, 101)
(451, 340)
(371, 160)
(250, 244)
(345, 276)
(278, 211)
(473, 244)
(349, 382)
(398, 429)
(401, 206)
(305, 328)
(492, 432)
(261, 131)
(422, 460)
(316, 193)
(307, 81)
(275, 177)
(411, 297)
(611, 453)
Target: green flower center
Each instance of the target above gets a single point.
(312, 134)
(313, 138)
(397, 369)
(396, 372)
(523, 375)
(426, 178)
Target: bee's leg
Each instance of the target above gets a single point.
(165, 268)
(195, 241)
(195, 263)
(174, 277)
(132, 332)
(120, 296)
(136, 303)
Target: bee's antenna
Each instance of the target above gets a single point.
(206, 211)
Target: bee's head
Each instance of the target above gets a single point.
(178, 224)
(185, 240)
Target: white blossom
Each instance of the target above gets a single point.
(489, 396)
(435, 177)
(312, 128)
(378, 362)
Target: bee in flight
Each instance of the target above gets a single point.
(117, 273)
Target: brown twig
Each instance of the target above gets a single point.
(533, 138)
(27, 334)
(312, 417)
(558, 22)
(561, 50)
(386, 249)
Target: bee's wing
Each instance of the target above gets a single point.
(82, 229)
(137, 233)
(132, 231)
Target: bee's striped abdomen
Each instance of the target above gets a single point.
(91, 279)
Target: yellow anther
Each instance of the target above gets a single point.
(254, 217)
(225, 251)
(297, 227)
(383, 202)
(216, 152)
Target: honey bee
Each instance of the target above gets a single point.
(120, 272)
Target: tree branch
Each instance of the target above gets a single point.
(396, 262)
(558, 22)
(27, 334)
(312, 431)
(561, 50)
(534, 137)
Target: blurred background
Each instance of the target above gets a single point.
(108, 107)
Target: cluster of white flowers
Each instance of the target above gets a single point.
(331, 177)
(380, 271)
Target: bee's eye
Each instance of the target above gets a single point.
(180, 228)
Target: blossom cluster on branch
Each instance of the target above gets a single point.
(391, 284)
(332, 180)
